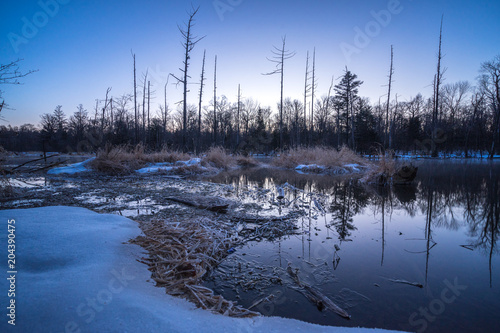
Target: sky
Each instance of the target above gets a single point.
(81, 47)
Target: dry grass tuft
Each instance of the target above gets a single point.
(218, 158)
(166, 155)
(118, 160)
(328, 157)
(181, 253)
(124, 159)
(246, 161)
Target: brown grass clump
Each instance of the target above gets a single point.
(181, 253)
(166, 155)
(124, 159)
(246, 161)
(218, 158)
(118, 160)
(328, 157)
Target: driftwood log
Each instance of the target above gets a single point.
(315, 296)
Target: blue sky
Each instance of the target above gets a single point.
(81, 47)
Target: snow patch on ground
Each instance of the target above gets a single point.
(72, 168)
(77, 273)
(310, 168)
(165, 167)
(354, 167)
(315, 168)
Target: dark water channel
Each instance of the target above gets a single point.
(440, 232)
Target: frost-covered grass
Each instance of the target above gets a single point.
(325, 158)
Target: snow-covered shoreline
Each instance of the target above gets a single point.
(77, 273)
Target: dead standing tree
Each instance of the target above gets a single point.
(189, 42)
(313, 86)
(437, 94)
(136, 124)
(386, 129)
(144, 108)
(202, 83)
(279, 57)
(215, 102)
(307, 89)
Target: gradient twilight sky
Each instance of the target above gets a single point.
(84, 46)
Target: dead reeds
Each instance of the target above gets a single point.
(329, 158)
(126, 159)
(218, 158)
(181, 253)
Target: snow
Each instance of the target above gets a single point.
(309, 167)
(353, 167)
(77, 273)
(72, 168)
(193, 161)
(315, 168)
(156, 167)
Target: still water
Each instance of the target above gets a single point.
(439, 235)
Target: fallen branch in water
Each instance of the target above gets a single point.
(31, 161)
(315, 296)
(415, 284)
(47, 167)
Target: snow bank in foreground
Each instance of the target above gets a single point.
(72, 168)
(77, 274)
(169, 166)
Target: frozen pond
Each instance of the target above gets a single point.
(439, 234)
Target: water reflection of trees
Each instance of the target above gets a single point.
(343, 207)
(483, 216)
(449, 194)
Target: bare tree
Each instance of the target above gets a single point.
(307, 89)
(238, 118)
(144, 107)
(386, 128)
(189, 43)
(165, 106)
(136, 129)
(106, 101)
(10, 74)
(490, 83)
(215, 102)
(437, 94)
(313, 86)
(202, 83)
(279, 57)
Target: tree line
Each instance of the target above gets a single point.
(458, 118)
(467, 121)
